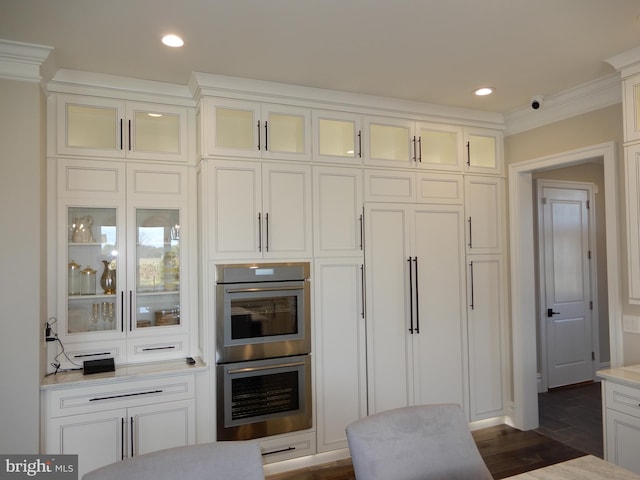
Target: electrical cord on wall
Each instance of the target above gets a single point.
(52, 336)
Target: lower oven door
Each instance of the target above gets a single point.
(264, 397)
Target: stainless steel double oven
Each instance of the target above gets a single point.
(263, 346)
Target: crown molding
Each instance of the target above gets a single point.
(22, 61)
(584, 98)
(627, 63)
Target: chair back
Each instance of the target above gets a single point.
(425, 442)
(210, 461)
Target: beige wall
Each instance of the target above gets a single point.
(22, 261)
(604, 125)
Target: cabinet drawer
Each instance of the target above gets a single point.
(73, 401)
(286, 447)
(622, 398)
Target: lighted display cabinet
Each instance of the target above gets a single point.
(91, 126)
(120, 277)
(250, 129)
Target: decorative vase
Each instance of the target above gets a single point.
(108, 279)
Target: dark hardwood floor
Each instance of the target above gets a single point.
(570, 426)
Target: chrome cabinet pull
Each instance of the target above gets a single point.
(261, 289)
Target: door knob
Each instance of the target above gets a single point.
(551, 313)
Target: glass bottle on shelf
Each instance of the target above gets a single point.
(158, 268)
(92, 239)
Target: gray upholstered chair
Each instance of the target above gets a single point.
(426, 442)
(209, 461)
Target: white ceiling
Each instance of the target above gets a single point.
(435, 51)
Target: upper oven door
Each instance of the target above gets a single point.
(262, 320)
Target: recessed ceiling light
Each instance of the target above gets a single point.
(484, 91)
(172, 40)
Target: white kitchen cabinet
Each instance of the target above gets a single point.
(340, 349)
(415, 305)
(251, 129)
(484, 204)
(259, 210)
(122, 285)
(108, 422)
(621, 416)
(632, 177)
(631, 107)
(93, 126)
(404, 143)
(337, 211)
(337, 137)
(415, 187)
(484, 150)
(486, 320)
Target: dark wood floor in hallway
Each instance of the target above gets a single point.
(570, 426)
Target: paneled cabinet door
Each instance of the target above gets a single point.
(90, 126)
(631, 106)
(337, 137)
(340, 356)
(160, 426)
(439, 146)
(337, 212)
(389, 142)
(97, 438)
(415, 314)
(486, 314)
(622, 439)
(484, 204)
(632, 176)
(483, 150)
(259, 211)
(250, 129)
(439, 357)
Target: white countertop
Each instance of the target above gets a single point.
(624, 375)
(124, 372)
(582, 468)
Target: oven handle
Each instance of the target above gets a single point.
(262, 289)
(266, 367)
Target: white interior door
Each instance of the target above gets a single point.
(565, 272)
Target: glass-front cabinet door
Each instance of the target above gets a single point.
(484, 150)
(157, 269)
(439, 147)
(337, 137)
(92, 275)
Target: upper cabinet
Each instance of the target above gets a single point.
(258, 210)
(93, 126)
(484, 150)
(404, 143)
(250, 129)
(337, 137)
(631, 106)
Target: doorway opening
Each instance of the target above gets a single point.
(568, 216)
(523, 297)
